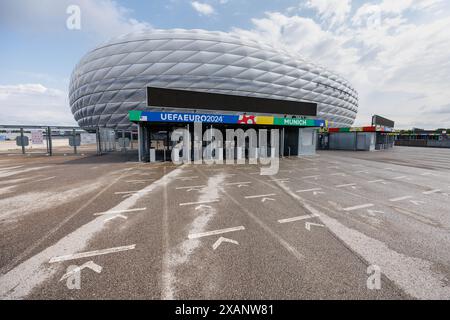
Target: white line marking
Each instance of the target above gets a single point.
(309, 224)
(309, 190)
(214, 232)
(127, 192)
(362, 206)
(338, 174)
(400, 177)
(119, 211)
(91, 253)
(190, 187)
(432, 191)
(362, 171)
(222, 239)
(346, 185)
(198, 202)
(308, 216)
(237, 183)
(260, 196)
(400, 198)
(375, 181)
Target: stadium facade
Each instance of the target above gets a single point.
(111, 84)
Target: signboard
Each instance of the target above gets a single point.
(37, 137)
(88, 138)
(150, 116)
(380, 121)
(22, 142)
(187, 99)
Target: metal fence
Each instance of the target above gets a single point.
(66, 140)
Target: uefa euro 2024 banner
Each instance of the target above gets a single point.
(150, 116)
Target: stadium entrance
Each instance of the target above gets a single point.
(223, 129)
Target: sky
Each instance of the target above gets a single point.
(395, 53)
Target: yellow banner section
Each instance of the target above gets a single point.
(264, 120)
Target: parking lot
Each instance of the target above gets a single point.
(319, 229)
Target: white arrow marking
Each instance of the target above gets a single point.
(260, 196)
(400, 198)
(198, 202)
(214, 232)
(222, 239)
(307, 216)
(432, 191)
(362, 206)
(265, 199)
(203, 206)
(309, 224)
(417, 202)
(90, 253)
(90, 264)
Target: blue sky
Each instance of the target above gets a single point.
(395, 53)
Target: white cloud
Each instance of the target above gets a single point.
(101, 19)
(399, 63)
(203, 8)
(34, 104)
(331, 11)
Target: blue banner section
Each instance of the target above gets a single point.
(187, 117)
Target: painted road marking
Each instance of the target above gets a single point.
(239, 184)
(119, 211)
(202, 206)
(416, 202)
(400, 198)
(432, 191)
(378, 181)
(400, 177)
(372, 212)
(214, 232)
(126, 192)
(362, 206)
(222, 239)
(198, 202)
(260, 196)
(309, 190)
(338, 174)
(353, 185)
(307, 216)
(91, 253)
(140, 181)
(309, 224)
(427, 174)
(44, 179)
(362, 171)
(316, 177)
(190, 187)
(90, 264)
(267, 199)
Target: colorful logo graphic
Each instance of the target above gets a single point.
(244, 119)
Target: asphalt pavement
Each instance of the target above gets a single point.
(337, 225)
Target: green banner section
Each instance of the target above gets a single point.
(134, 115)
(294, 122)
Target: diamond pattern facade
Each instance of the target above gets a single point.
(112, 79)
